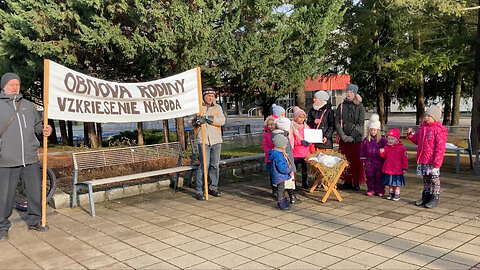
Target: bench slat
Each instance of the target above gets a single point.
(137, 175)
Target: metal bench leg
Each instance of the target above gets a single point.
(457, 169)
(75, 188)
(90, 196)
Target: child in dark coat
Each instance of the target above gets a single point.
(369, 155)
(281, 169)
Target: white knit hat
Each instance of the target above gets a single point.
(322, 95)
(283, 123)
(374, 121)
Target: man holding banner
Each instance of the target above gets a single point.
(19, 124)
(213, 118)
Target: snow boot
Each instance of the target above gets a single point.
(433, 201)
(425, 198)
(293, 198)
(283, 204)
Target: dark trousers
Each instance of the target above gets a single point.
(280, 191)
(303, 163)
(9, 178)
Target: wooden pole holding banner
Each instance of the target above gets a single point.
(200, 101)
(46, 70)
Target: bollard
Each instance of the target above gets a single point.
(247, 129)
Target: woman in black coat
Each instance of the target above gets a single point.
(321, 116)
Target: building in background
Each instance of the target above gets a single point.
(334, 84)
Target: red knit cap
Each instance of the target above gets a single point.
(394, 132)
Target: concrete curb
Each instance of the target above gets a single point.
(63, 200)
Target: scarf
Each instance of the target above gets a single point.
(315, 107)
(295, 127)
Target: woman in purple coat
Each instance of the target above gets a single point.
(370, 157)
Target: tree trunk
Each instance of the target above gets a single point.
(447, 110)
(70, 133)
(380, 100)
(420, 99)
(457, 96)
(52, 139)
(63, 132)
(166, 131)
(92, 136)
(239, 107)
(99, 134)
(140, 133)
(475, 122)
(180, 126)
(86, 141)
(301, 98)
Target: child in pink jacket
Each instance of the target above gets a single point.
(396, 164)
(301, 148)
(431, 139)
(267, 145)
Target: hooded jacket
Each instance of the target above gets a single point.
(353, 114)
(280, 167)
(289, 149)
(396, 159)
(370, 154)
(19, 144)
(431, 139)
(327, 125)
(213, 132)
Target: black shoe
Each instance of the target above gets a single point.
(3, 236)
(295, 200)
(425, 198)
(345, 185)
(356, 187)
(215, 193)
(433, 201)
(200, 197)
(38, 227)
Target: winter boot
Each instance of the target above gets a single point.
(293, 198)
(433, 201)
(283, 204)
(425, 198)
(274, 192)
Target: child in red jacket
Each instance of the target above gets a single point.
(396, 164)
(267, 145)
(431, 139)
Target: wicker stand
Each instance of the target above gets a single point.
(329, 179)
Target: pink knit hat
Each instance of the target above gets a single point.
(394, 132)
(297, 113)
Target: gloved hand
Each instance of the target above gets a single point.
(344, 138)
(209, 119)
(305, 143)
(198, 120)
(349, 139)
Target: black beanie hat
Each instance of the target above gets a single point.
(8, 77)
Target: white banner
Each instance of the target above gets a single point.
(78, 97)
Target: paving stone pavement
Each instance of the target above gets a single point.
(243, 230)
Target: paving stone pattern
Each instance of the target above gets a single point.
(243, 230)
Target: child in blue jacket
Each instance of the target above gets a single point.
(281, 169)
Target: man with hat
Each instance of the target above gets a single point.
(20, 122)
(213, 119)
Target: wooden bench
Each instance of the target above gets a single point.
(124, 156)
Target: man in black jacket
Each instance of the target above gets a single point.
(19, 124)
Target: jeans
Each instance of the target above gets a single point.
(212, 155)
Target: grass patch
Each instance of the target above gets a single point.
(242, 151)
